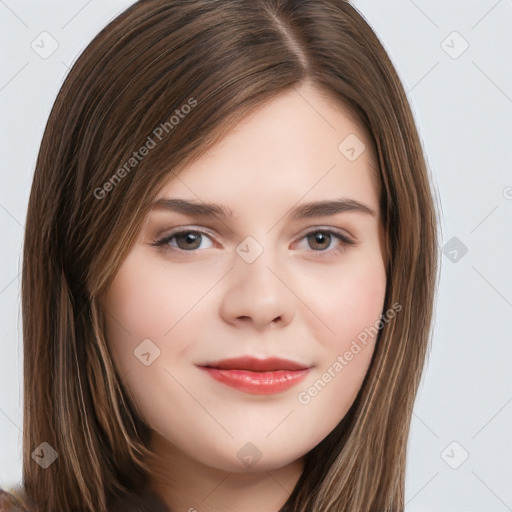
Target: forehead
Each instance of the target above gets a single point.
(301, 143)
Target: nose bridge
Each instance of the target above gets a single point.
(253, 263)
(255, 291)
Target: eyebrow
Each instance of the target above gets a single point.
(304, 211)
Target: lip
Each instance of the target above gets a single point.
(257, 376)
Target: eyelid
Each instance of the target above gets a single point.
(180, 228)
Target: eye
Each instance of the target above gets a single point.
(186, 239)
(321, 239)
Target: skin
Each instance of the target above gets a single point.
(208, 303)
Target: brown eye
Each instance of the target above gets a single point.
(185, 240)
(319, 240)
(188, 241)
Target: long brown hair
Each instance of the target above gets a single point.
(90, 194)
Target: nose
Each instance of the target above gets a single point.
(258, 294)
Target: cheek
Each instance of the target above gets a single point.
(141, 305)
(351, 306)
(147, 313)
(148, 300)
(355, 304)
(349, 300)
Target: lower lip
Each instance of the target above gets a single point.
(258, 383)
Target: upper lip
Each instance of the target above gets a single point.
(255, 364)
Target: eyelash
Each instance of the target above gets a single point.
(163, 242)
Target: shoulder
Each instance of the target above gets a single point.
(12, 501)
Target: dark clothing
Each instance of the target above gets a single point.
(14, 501)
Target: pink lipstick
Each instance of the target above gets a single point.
(257, 376)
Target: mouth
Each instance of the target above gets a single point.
(257, 376)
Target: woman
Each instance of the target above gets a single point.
(262, 371)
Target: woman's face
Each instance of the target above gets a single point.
(275, 279)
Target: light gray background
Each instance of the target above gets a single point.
(462, 102)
